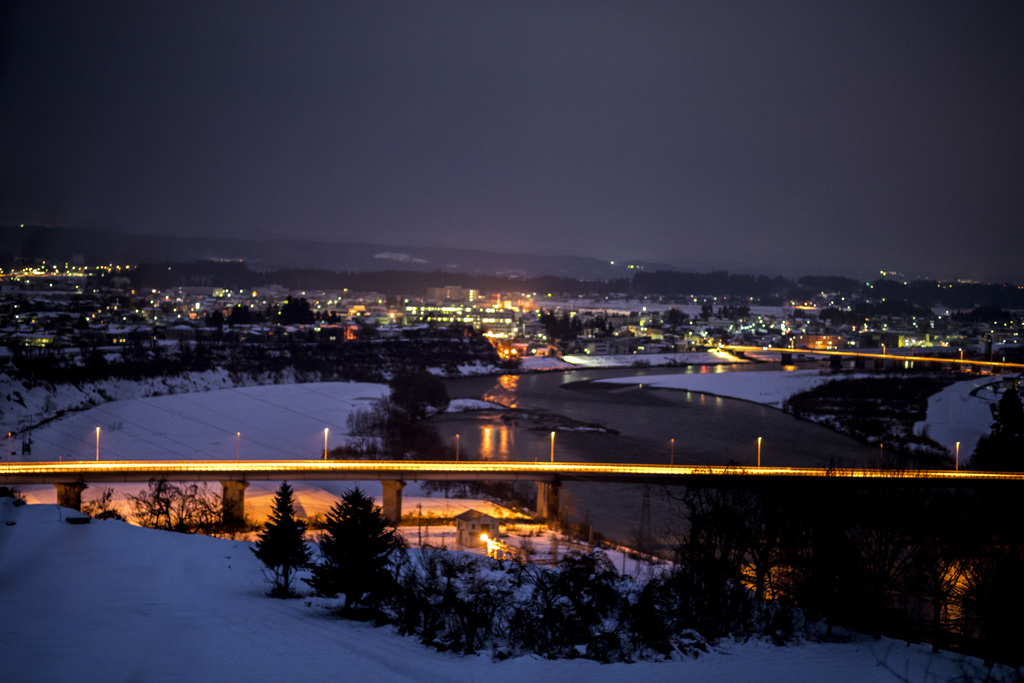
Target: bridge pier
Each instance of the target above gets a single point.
(547, 500)
(392, 508)
(786, 358)
(232, 504)
(835, 362)
(70, 495)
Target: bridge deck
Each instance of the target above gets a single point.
(385, 470)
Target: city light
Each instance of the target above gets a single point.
(861, 354)
(214, 470)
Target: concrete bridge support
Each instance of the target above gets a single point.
(547, 500)
(786, 358)
(858, 362)
(835, 362)
(392, 508)
(232, 504)
(70, 495)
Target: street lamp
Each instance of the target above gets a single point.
(456, 448)
(758, 451)
(325, 443)
(97, 444)
(552, 446)
(238, 447)
(672, 457)
(957, 456)
(9, 435)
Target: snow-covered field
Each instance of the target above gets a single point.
(769, 388)
(108, 601)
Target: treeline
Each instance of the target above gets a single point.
(753, 559)
(942, 565)
(362, 361)
(913, 297)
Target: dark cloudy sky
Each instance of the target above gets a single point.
(822, 136)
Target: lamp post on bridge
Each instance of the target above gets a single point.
(456, 448)
(97, 444)
(552, 446)
(957, 456)
(672, 457)
(758, 451)
(238, 447)
(325, 443)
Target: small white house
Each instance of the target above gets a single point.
(471, 524)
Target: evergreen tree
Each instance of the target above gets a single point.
(281, 546)
(357, 551)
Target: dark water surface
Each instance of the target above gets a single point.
(638, 425)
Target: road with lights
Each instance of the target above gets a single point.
(893, 357)
(404, 470)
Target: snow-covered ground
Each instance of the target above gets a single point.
(960, 412)
(108, 601)
(771, 388)
(276, 422)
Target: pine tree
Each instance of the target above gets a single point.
(357, 551)
(281, 546)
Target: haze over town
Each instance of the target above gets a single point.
(793, 137)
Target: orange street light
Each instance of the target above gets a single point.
(672, 458)
(456, 448)
(552, 446)
(325, 443)
(238, 447)
(957, 456)
(97, 444)
(758, 451)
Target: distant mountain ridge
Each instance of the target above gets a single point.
(92, 246)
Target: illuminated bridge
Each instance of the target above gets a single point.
(71, 478)
(879, 358)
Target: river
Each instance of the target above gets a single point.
(597, 422)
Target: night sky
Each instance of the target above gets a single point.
(825, 137)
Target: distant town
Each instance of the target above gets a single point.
(46, 307)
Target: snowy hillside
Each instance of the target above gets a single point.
(106, 601)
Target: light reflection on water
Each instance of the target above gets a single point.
(504, 392)
(497, 441)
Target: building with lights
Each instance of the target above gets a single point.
(471, 525)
